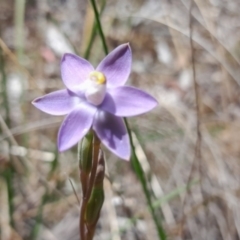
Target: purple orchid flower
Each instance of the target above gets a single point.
(96, 99)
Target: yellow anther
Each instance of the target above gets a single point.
(98, 77)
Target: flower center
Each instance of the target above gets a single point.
(96, 88)
(98, 77)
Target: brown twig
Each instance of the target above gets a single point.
(198, 145)
(198, 153)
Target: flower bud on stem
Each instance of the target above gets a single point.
(85, 159)
(96, 199)
(88, 171)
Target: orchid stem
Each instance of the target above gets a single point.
(96, 147)
(84, 177)
(81, 222)
(86, 195)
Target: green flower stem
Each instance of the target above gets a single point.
(93, 210)
(85, 176)
(96, 199)
(85, 160)
(82, 226)
(96, 148)
(90, 183)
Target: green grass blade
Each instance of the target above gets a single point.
(141, 176)
(99, 26)
(175, 193)
(93, 33)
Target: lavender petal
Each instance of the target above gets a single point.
(75, 70)
(127, 101)
(112, 132)
(57, 103)
(75, 126)
(116, 66)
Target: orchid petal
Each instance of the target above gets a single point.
(75, 70)
(75, 126)
(127, 101)
(112, 132)
(57, 103)
(116, 66)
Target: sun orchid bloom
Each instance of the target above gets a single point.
(97, 99)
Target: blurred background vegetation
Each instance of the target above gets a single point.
(185, 178)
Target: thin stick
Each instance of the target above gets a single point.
(197, 150)
(74, 190)
(196, 90)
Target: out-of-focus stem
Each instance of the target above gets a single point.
(19, 27)
(4, 88)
